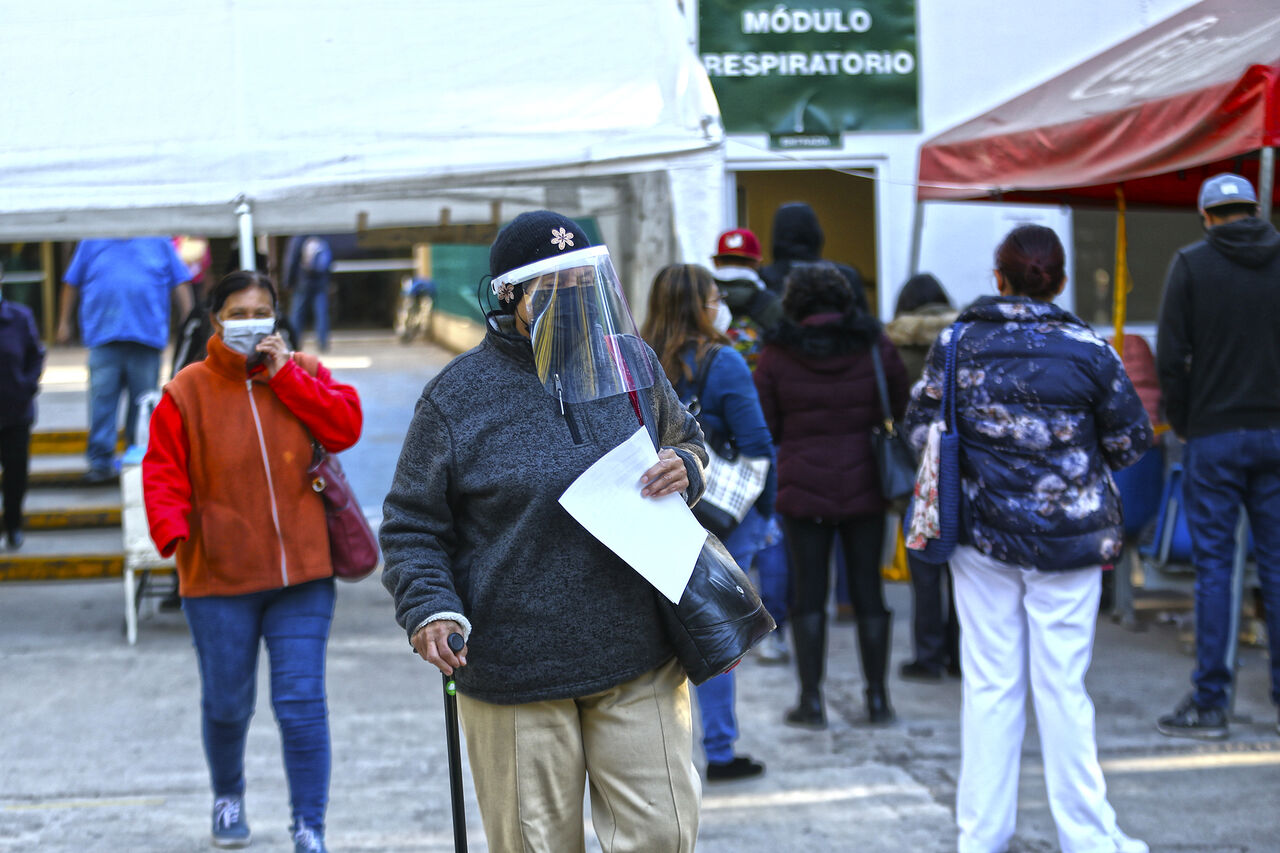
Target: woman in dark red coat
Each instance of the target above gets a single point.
(817, 385)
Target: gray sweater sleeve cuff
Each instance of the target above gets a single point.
(693, 468)
(445, 616)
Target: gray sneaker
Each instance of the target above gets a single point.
(307, 840)
(773, 649)
(1190, 720)
(230, 826)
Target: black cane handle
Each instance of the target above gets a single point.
(456, 643)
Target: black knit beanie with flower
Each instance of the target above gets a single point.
(531, 237)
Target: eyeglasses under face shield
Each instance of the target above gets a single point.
(585, 342)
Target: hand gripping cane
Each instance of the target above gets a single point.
(456, 643)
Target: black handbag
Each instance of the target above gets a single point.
(895, 460)
(719, 617)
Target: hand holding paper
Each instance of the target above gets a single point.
(658, 537)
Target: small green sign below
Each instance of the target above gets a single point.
(804, 141)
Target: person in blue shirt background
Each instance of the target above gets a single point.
(21, 360)
(307, 278)
(686, 326)
(123, 289)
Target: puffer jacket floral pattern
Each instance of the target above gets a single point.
(1046, 412)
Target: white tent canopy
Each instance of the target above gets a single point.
(149, 116)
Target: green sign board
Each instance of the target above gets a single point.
(801, 73)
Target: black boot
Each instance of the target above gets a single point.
(810, 634)
(873, 644)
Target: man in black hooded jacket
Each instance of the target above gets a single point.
(1218, 356)
(798, 238)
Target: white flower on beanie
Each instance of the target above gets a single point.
(561, 238)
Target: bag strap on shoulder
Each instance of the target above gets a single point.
(700, 378)
(949, 380)
(882, 386)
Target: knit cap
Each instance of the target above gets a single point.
(532, 237)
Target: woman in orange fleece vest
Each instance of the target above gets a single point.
(226, 488)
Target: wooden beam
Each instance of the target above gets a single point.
(447, 232)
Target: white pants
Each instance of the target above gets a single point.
(1018, 623)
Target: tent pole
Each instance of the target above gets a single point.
(1120, 281)
(248, 257)
(917, 231)
(1266, 181)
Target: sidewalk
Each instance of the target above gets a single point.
(100, 750)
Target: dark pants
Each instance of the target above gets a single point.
(809, 546)
(1224, 472)
(227, 631)
(312, 297)
(936, 635)
(15, 459)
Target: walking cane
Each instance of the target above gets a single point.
(456, 643)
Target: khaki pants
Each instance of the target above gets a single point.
(633, 743)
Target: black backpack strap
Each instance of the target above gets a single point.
(700, 378)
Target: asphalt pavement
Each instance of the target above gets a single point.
(100, 742)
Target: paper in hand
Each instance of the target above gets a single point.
(658, 537)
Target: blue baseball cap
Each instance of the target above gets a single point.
(1226, 189)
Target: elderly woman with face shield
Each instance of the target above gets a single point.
(567, 676)
(227, 490)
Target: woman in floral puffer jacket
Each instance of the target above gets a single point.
(1045, 412)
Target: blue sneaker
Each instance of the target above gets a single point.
(230, 826)
(307, 840)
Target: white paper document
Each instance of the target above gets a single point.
(659, 538)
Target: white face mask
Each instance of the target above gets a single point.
(723, 318)
(242, 336)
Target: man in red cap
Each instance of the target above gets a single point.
(753, 307)
(754, 311)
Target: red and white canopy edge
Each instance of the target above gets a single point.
(1143, 122)
(1196, 94)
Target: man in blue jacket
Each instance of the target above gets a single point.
(1218, 356)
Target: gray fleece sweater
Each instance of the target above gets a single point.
(472, 525)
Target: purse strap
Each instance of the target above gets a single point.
(700, 379)
(949, 379)
(882, 387)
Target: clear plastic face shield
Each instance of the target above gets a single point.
(585, 342)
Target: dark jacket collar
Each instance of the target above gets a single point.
(500, 333)
(1251, 241)
(827, 335)
(1016, 309)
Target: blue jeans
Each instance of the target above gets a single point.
(758, 539)
(748, 541)
(1224, 471)
(311, 297)
(115, 368)
(227, 631)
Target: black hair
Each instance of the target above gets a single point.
(920, 290)
(815, 288)
(1226, 211)
(1032, 261)
(234, 282)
